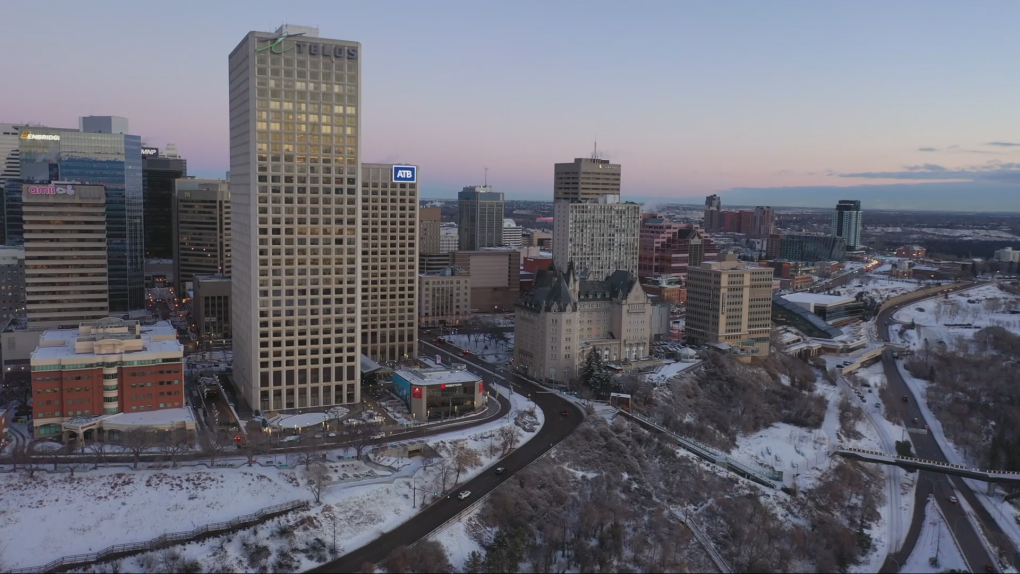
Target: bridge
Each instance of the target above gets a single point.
(859, 361)
(992, 477)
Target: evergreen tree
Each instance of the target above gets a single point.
(592, 364)
(475, 563)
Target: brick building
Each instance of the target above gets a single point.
(668, 248)
(911, 252)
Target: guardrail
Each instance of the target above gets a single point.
(929, 461)
(706, 543)
(122, 550)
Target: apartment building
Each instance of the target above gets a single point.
(495, 278)
(730, 302)
(430, 222)
(597, 236)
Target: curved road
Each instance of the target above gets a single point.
(940, 485)
(556, 428)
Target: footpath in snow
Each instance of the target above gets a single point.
(936, 550)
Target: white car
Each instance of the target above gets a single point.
(464, 494)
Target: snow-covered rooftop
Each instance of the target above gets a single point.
(60, 343)
(149, 418)
(817, 298)
(437, 376)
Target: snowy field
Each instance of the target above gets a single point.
(965, 234)
(478, 344)
(941, 319)
(53, 516)
(935, 541)
(879, 288)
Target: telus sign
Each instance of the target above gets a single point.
(51, 190)
(405, 174)
(312, 49)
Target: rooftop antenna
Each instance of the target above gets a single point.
(595, 150)
(486, 181)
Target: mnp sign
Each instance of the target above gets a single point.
(405, 174)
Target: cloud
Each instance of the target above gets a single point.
(959, 149)
(992, 171)
(1003, 144)
(927, 149)
(925, 167)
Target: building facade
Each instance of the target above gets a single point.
(12, 282)
(449, 239)
(202, 228)
(66, 254)
(444, 297)
(597, 237)
(389, 261)
(430, 221)
(211, 307)
(1006, 255)
(730, 302)
(563, 318)
(911, 251)
(846, 222)
(158, 176)
(479, 218)
(585, 179)
(113, 160)
(511, 234)
(296, 277)
(668, 249)
(434, 394)
(713, 213)
(495, 278)
(812, 248)
(104, 367)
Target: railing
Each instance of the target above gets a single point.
(913, 459)
(121, 550)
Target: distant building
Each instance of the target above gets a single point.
(585, 179)
(668, 248)
(846, 222)
(511, 234)
(563, 318)
(202, 225)
(536, 238)
(833, 309)
(480, 218)
(12, 282)
(730, 302)
(211, 307)
(444, 297)
(449, 239)
(597, 237)
(713, 213)
(158, 176)
(1007, 255)
(429, 226)
(666, 289)
(758, 223)
(433, 394)
(912, 252)
(926, 272)
(812, 248)
(495, 278)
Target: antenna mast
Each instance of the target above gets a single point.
(486, 181)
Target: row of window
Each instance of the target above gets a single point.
(143, 396)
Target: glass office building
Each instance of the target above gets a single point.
(111, 160)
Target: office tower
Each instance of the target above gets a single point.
(12, 282)
(294, 189)
(480, 218)
(444, 297)
(211, 307)
(511, 234)
(115, 162)
(389, 253)
(668, 249)
(10, 164)
(713, 213)
(730, 302)
(585, 179)
(495, 278)
(66, 254)
(449, 239)
(598, 237)
(811, 248)
(202, 230)
(158, 175)
(429, 225)
(846, 222)
(103, 125)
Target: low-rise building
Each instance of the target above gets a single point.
(911, 252)
(105, 367)
(211, 307)
(433, 394)
(833, 309)
(495, 278)
(927, 272)
(667, 289)
(1007, 255)
(444, 297)
(563, 318)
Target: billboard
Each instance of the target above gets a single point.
(405, 174)
(62, 192)
(150, 152)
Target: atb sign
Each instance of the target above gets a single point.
(405, 174)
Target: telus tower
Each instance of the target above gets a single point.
(294, 158)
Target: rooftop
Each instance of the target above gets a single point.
(437, 376)
(60, 343)
(149, 418)
(818, 298)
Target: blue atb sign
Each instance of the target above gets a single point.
(405, 174)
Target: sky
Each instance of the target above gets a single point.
(907, 104)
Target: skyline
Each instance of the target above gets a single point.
(765, 105)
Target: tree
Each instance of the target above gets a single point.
(332, 518)
(173, 444)
(464, 457)
(359, 436)
(97, 450)
(426, 556)
(318, 476)
(213, 443)
(595, 375)
(138, 442)
(508, 437)
(255, 444)
(475, 563)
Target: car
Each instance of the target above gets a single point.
(440, 340)
(905, 399)
(436, 341)
(871, 390)
(500, 470)
(318, 435)
(465, 352)
(464, 494)
(331, 434)
(915, 420)
(565, 413)
(989, 568)
(953, 499)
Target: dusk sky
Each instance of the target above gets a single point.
(691, 97)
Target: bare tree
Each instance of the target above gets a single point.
(28, 463)
(175, 443)
(97, 451)
(360, 436)
(508, 437)
(255, 444)
(332, 518)
(464, 458)
(138, 442)
(213, 443)
(317, 475)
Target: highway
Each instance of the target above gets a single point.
(931, 483)
(556, 428)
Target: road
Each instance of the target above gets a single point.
(930, 483)
(555, 429)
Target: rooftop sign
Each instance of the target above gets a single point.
(277, 46)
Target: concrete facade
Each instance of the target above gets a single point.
(444, 297)
(495, 278)
(585, 179)
(202, 230)
(434, 394)
(599, 237)
(730, 302)
(430, 221)
(479, 218)
(211, 305)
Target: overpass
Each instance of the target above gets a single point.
(862, 359)
(992, 477)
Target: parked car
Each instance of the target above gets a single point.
(464, 494)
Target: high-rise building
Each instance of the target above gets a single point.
(598, 237)
(730, 302)
(211, 307)
(668, 248)
(294, 188)
(202, 228)
(511, 233)
(480, 218)
(158, 175)
(713, 213)
(449, 239)
(495, 278)
(764, 223)
(10, 163)
(430, 221)
(389, 254)
(12, 282)
(113, 160)
(66, 257)
(585, 179)
(846, 222)
(103, 125)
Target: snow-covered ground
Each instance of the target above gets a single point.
(935, 541)
(879, 288)
(965, 234)
(53, 516)
(477, 343)
(939, 319)
(669, 370)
